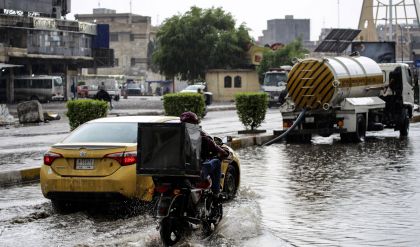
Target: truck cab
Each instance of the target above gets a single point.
(274, 85)
(407, 81)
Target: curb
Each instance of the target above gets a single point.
(248, 141)
(415, 119)
(19, 177)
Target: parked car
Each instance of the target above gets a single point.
(97, 162)
(133, 89)
(82, 91)
(111, 87)
(199, 88)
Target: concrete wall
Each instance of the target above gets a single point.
(216, 83)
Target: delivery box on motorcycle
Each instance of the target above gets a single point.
(168, 149)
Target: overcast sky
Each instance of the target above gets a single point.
(322, 13)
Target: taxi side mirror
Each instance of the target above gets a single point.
(218, 141)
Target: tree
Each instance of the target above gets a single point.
(281, 57)
(189, 44)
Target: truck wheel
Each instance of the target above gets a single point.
(306, 138)
(405, 123)
(359, 135)
(301, 138)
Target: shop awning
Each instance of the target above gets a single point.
(5, 65)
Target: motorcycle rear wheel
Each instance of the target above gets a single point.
(216, 216)
(171, 231)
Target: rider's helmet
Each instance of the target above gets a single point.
(189, 117)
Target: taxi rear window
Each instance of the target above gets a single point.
(104, 132)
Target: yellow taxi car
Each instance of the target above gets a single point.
(97, 162)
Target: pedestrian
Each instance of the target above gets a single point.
(142, 90)
(167, 90)
(73, 90)
(158, 91)
(102, 94)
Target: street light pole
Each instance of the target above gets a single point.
(401, 45)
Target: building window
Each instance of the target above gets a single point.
(133, 62)
(228, 82)
(131, 37)
(113, 37)
(238, 82)
(116, 62)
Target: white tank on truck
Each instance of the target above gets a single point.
(347, 95)
(325, 83)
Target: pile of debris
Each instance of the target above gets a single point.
(5, 117)
(32, 112)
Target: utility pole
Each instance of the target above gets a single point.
(130, 15)
(390, 20)
(338, 13)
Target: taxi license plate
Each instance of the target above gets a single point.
(85, 164)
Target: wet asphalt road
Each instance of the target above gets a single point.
(321, 194)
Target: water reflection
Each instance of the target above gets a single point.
(334, 194)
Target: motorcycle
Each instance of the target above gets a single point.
(185, 202)
(170, 154)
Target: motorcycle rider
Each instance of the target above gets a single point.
(211, 154)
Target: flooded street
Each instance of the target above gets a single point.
(320, 194)
(333, 194)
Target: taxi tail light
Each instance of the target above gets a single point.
(124, 158)
(49, 157)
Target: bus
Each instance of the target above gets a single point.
(40, 87)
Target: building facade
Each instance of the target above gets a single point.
(224, 84)
(33, 44)
(132, 38)
(285, 31)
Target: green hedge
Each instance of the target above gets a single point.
(251, 108)
(83, 110)
(177, 103)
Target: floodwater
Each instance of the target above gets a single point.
(321, 194)
(333, 194)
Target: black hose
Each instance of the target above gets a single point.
(296, 123)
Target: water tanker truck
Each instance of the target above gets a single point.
(346, 95)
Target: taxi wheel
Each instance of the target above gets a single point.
(229, 186)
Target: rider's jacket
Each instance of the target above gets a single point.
(209, 149)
